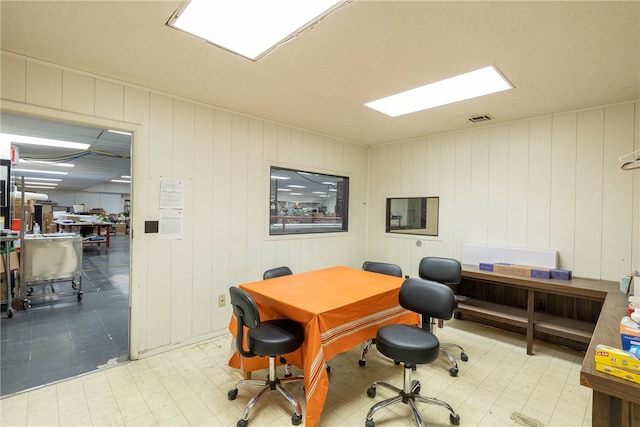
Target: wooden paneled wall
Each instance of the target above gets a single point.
(551, 182)
(223, 158)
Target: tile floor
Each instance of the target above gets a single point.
(499, 386)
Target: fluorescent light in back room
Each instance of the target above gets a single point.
(250, 28)
(473, 84)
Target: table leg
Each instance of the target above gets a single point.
(530, 320)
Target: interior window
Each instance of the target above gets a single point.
(413, 215)
(307, 202)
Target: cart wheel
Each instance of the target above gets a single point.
(74, 285)
(10, 312)
(25, 304)
(30, 291)
(80, 296)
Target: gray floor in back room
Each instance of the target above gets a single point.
(59, 337)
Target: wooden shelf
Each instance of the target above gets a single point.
(495, 312)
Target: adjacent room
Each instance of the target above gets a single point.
(326, 187)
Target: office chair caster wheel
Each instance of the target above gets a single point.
(296, 419)
(362, 362)
(453, 372)
(233, 394)
(371, 392)
(369, 423)
(415, 387)
(242, 423)
(464, 357)
(454, 419)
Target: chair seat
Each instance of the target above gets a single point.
(275, 337)
(408, 344)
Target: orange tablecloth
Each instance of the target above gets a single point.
(339, 308)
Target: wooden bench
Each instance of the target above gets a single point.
(598, 306)
(558, 310)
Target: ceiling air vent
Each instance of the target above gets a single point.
(478, 119)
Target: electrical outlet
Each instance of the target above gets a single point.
(222, 300)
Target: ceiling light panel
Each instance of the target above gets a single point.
(22, 139)
(250, 28)
(469, 85)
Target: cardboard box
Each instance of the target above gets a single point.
(121, 229)
(618, 372)
(13, 259)
(611, 356)
(513, 269)
(629, 333)
(484, 266)
(560, 274)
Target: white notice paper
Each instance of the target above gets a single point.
(171, 193)
(170, 224)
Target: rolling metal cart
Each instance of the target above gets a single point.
(48, 260)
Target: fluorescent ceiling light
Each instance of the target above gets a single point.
(296, 186)
(121, 181)
(35, 178)
(47, 162)
(295, 194)
(52, 184)
(250, 28)
(39, 186)
(279, 177)
(21, 139)
(284, 189)
(40, 171)
(465, 86)
(125, 176)
(119, 132)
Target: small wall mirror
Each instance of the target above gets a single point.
(413, 215)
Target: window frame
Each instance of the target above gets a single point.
(313, 215)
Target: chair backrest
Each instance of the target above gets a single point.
(247, 314)
(443, 270)
(276, 272)
(431, 299)
(382, 268)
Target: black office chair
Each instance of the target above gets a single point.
(382, 268)
(270, 338)
(413, 345)
(447, 271)
(276, 272)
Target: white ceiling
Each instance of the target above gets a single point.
(559, 56)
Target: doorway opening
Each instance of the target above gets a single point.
(52, 335)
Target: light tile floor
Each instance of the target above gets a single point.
(499, 386)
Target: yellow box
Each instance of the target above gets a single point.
(611, 356)
(618, 372)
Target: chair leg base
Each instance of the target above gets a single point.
(409, 395)
(270, 384)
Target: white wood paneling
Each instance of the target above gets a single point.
(109, 100)
(588, 221)
(44, 85)
(13, 78)
(617, 194)
(498, 186)
(549, 183)
(479, 197)
(157, 306)
(78, 93)
(517, 184)
(539, 183)
(182, 255)
(563, 189)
